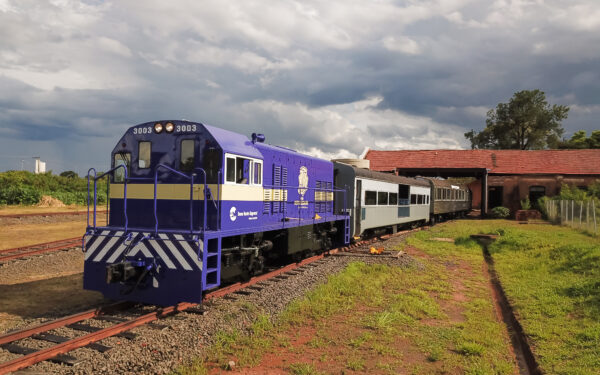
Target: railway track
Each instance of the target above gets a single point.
(67, 213)
(26, 251)
(64, 345)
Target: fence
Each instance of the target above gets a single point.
(576, 214)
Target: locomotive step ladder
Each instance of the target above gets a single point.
(347, 230)
(211, 259)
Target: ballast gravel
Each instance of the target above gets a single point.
(160, 350)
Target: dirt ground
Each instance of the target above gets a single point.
(31, 230)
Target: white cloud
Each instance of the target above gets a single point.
(326, 77)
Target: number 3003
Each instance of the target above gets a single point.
(185, 128)
(142, 130)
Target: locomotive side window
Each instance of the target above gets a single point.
(211, 162)
(257, 173)
(382, 198)
(123, 158)
(242, 170)
(231, 169)
(144, 152)
(187, 159)
(393, 199)
(370, 198)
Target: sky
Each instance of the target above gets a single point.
(328, 78)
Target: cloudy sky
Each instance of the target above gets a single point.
(324, 77)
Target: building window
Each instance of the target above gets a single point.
(144, 152)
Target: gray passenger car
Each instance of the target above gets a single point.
(381, 202)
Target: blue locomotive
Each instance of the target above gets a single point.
(192, 206)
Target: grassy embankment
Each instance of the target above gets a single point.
(434, 317)
(551, 276)
(26, 188)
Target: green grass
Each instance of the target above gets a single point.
(551, 276)
(386, 318)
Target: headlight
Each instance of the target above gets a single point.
(158, 127)
(169, 127)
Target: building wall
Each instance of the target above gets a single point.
(516, 187)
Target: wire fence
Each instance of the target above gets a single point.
(584, 215)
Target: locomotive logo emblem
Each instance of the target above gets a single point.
(232, 213)
(302, 182)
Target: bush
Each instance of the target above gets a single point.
(19, 195)
(22, 187)
(525, 204)
(500, 212)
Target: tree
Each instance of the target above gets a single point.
(526, 122)
(69, 174)
(580, 140)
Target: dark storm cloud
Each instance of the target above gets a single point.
(328, 78)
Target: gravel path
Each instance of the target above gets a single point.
(43, 287)
(160, 350)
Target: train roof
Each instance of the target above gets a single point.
(445, 183)
(367, 173)
(234, 143)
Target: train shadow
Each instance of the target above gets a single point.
(53, 297)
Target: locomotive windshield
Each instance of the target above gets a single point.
(122, 158)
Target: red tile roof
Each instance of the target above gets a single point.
(580, 162)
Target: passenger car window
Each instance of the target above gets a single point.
(382, 198)
(144, 152)
(370, 198)
(187, 159)
(393, 199)
(413, 199)
(123, 158)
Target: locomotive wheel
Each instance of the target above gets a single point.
(257, 266)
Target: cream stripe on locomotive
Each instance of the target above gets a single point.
(228, 192)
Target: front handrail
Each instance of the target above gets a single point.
(189, 177)
(96, 178)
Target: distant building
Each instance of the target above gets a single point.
(503, 177)
(40, 166)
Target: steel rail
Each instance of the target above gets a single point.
(44, 354)
(21, 253)
(46, 244)
(33, 214)
(61, 322)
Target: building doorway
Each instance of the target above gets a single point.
(495, 195)
(535, 193)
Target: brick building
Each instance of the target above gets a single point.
(503, 177)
